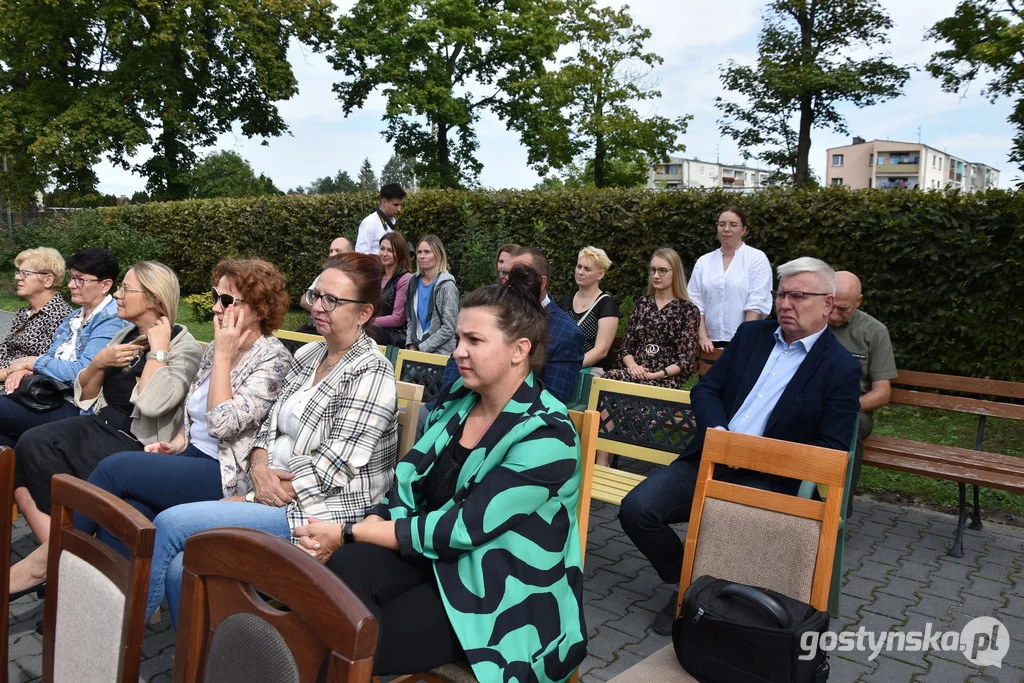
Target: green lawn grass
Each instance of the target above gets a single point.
(908, 422)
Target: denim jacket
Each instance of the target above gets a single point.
(94, 335)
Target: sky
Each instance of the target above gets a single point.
(694, 37)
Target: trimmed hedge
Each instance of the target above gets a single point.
(945, 271)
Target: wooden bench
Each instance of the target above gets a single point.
(964, 466)
(652, 424)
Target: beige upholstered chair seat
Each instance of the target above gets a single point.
(662, 667)
(459, 672)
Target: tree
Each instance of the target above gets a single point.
(985, 35)
(83, 80)
(442, 64)
(598, 88)
(226, 174)
(367, 178)
(398, 170)
(327, 185)
(803, 73)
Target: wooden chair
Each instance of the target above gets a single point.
(229, 634)
(8, 513)
(586, 424)
(293, 341)
(761, 538)
(652, 424)
(410, 398)
(426, 369)
(95, 606)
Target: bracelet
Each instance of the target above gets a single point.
(665, 370)
(254, 462)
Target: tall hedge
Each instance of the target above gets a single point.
(945, 272)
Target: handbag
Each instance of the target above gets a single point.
(41, 393)
(733, 633)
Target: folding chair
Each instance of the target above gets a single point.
(410, 398)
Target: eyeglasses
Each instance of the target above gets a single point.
(659, 271)
(25, 273)
(80, 281)
(328, 302)
(225, 299)
(123, 289)
(796, 296)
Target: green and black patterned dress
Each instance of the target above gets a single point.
(505, 548)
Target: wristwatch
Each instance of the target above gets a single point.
(346, 534)
(158, 356)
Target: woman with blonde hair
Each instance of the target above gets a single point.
(134, 389)
(660, 346)
(594, 312)
(38, 275)
(432, 302)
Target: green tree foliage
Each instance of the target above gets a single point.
(442, 64)
(80, 80)
(367, 178)
(341, 182)
(804, 71)
(226, 174)
(597, 90)
(398, 170)
(985, 36)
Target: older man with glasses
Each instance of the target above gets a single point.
(786, 379)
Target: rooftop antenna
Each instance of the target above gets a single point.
(718, 158)
(919, 133)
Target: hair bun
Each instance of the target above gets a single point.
(524, 282)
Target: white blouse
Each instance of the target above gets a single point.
(723, 295)
(199, 433)
(289, 421)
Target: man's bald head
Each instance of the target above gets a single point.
(848, 298)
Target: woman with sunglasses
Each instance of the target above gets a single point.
(239, 378)
(82, 334)
(327, 451)
(134, 389)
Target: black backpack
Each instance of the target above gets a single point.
(734, 633)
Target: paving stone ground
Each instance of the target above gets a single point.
(896, 576)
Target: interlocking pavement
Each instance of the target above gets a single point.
(897, 576)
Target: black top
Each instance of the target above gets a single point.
(118, 384)
(439, 484)
(605, 307)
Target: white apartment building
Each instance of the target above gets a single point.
(886, 164)
(678, 173)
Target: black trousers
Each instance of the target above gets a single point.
(75, 445)
(414, 633)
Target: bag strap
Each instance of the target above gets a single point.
(766, 602)
(580, 322)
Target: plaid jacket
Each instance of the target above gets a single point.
(354, 410)
(563, 357)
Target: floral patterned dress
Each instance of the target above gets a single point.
(659, 338)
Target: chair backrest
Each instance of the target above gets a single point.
(410, 398)
(586, 423)
(763, 538)
(293, 341)
(228, 633)
(643, 422)
(94, 616)
(426, 369)
(706, 360)
(7, 516)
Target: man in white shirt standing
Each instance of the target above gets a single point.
(381, 221)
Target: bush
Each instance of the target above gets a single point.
(943, 270)
(201, 306)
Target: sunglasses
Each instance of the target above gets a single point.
(224, 299)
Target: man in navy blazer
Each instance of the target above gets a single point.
(789, 380)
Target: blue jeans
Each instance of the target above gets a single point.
(152, 483)
(175, 525)
(16, 419)
(665, 497)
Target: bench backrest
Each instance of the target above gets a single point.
(907, 382)
(425, 369)
(638, 421)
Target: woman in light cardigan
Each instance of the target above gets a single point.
(133, 389)
(432, 304)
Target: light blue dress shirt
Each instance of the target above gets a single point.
(782, 364)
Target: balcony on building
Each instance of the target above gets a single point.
(898, 163)
(897, 183)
